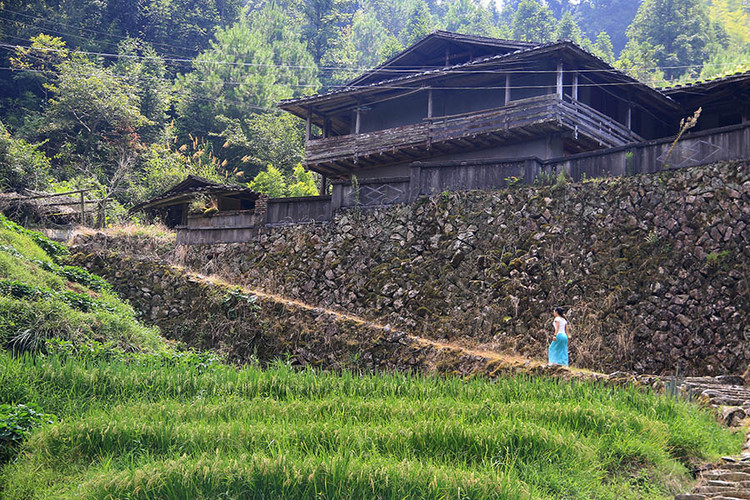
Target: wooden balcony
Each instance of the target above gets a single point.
(582, 127)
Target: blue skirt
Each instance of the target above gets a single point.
(558, 350)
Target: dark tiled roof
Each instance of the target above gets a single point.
(739, 76)
(434, 40)
(542, 48)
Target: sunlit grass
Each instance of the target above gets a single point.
(150, 428)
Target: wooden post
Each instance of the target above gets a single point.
(83, 209)
(559, 80)
(323, 185)
(629, 117)
(429, 102)
(358, 121)
(507, 89)
(326, 127)
(447, 56)
(308, 125)
(575, 86)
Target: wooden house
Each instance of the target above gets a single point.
(453, 97)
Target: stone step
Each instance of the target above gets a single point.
(726, 475)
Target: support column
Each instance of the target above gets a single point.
(326, 127)
(559, 80)
(629, 117)
(575, 87)
(308, 125)
(358, 121)
(507, 89)
(429, 103)
(323, 185)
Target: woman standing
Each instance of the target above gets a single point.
(558, 349)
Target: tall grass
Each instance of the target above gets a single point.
(158, 427)
(41, 299)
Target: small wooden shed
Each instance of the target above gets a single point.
(228, 213)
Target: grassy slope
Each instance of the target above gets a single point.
(167, 425)
(65, 302)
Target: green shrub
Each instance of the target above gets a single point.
(22, 165)
(16, 421)
(52, 248)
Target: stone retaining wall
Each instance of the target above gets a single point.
(247, 327)
(654, 268)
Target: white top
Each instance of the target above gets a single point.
(563, 322)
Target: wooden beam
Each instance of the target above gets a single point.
(429, 103)
(629, 117)
(575, 86)
(358, 121)
(559, 79)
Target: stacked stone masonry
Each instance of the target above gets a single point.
(654, 268)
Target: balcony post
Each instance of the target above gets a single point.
(507, 89)
(358, 121)
(323, 185)
(559, 80)
(629, 117)
(429, 102)
(308, 125)
(575, 86)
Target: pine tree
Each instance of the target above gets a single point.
(677, 34)
(533, 22)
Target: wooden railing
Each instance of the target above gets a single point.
(574, 116)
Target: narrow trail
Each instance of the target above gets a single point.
(489, 355)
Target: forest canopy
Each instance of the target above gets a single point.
(128, 97)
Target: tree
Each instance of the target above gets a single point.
(91, 107)
(275, 184)
(275, 138)
(249, 68)
(184, 27)
(420, 24)
(676, 33)
(22, 165)
(271, 182)
(465, 16)
(603, 48)
(568, 29)
(323, 19)
(609, 16)
(302, 183)
(140, 65)
(532, 22)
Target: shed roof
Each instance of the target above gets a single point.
(192, 186)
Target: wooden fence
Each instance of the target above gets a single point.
(304, 209)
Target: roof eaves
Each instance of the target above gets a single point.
(548, 47)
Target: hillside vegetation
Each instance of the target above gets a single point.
(99, 406)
